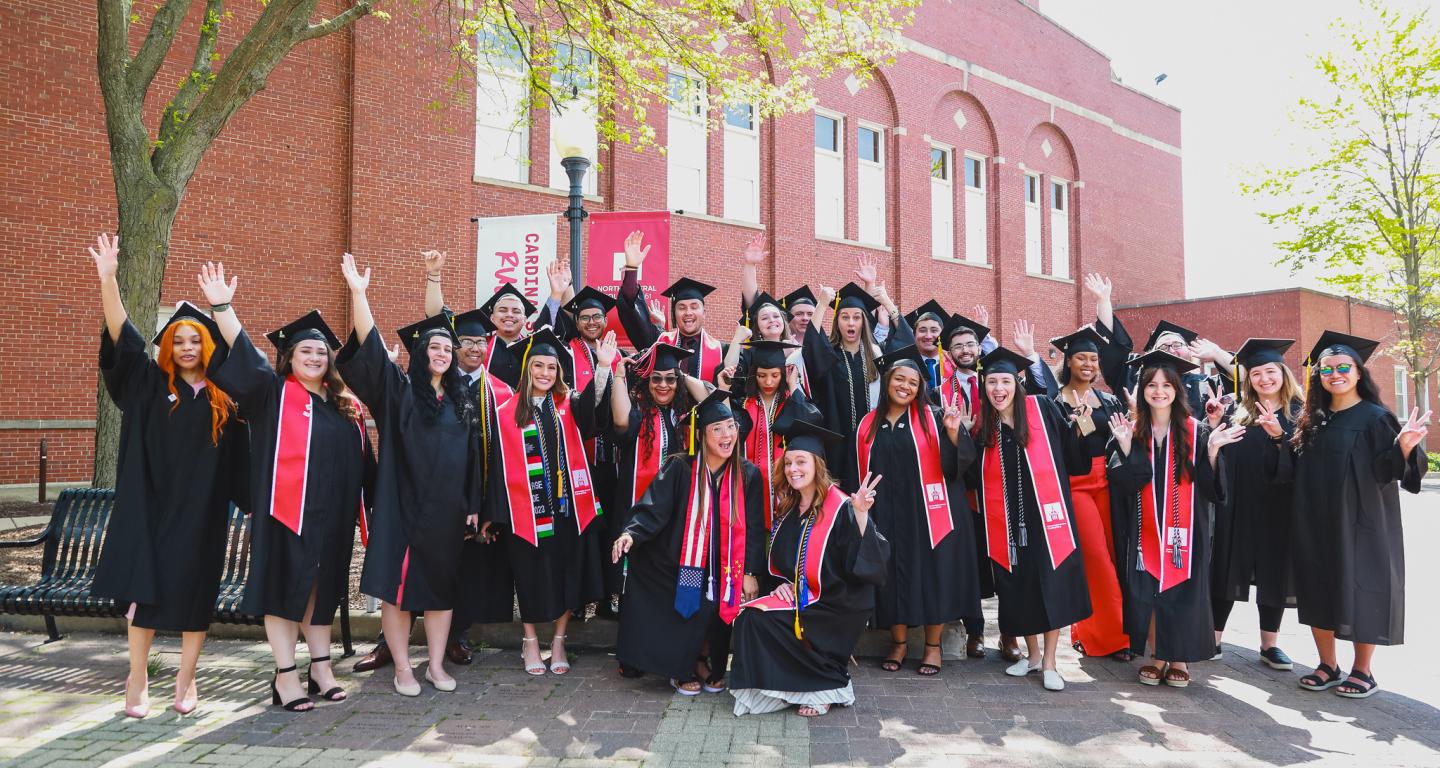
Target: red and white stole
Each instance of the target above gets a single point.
(517, 476)
(290, 474)
(932, 478)
(695, 548)
(1049, 492)
(490, 345)
(711, 354)
(1167, 557)
(814, 543)
(648, 457)
(583, 356)
(762, 445)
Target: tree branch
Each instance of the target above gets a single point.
(201, 69)
(349, 16)
(141, 70)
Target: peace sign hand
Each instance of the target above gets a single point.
(864, 496)
(1414, 430)
(1268, 420)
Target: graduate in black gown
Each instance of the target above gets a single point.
(429, 482)
(310, 463)
(540, 496)
(1163, 483)
(1253, 526)
(506, 310)
(182, 461)
(1349, 459)
(695, 547)
(1028, 452)
(687, 311)
(793, 646)
(922, 451)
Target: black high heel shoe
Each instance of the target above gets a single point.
(290, 706)
(334, 694)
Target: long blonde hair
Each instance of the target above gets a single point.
(1290, 393)
(787, 498)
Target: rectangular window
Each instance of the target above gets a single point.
(975, 172)
(1424, 395)
(829, 177)
(742, 163)
(574, 70)
(502, 123)
(1059, 229)
(1402, 392)
(942, 205)
(687, 149)
(573, 81)
(870, 176)
(977, 211)
(1032, 189)
(1057, 195)
(1033, 256)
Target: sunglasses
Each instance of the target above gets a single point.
(656, 378)
(1343, 369)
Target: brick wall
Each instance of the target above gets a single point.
(340, 152)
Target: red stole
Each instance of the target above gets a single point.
(814, 543)
(517, 476)
(762, 445)
(711, 354)
(490, 346)
(1167, 558)
(291, 471)
(648, 457)
(581, 353)
(695, 548)
(1049, 492)
(932, 478)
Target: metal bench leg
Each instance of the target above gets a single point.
(345, 631)
(52, 629)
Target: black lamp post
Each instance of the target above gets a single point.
(574, 138)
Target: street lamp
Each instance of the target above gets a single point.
(574, 138)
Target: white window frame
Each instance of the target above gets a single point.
(977, 204)
(871, 232)
(1424, 394)
(518, 131)
(688, 116)
(1402, 392)
(1059, 263)
(585, 103)
(833, 157)
(735, 138)
(1034, 248)
(942, 196)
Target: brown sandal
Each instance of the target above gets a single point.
(1176, 678)
(1151, 674)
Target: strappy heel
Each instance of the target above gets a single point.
(537, 668)
(926, 669)
(893, 665)
(298, 705)
(334, 694)
(559, 668)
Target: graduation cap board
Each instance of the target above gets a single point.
(476, 322)
(801, 295)
(1261, 351)
(960, 323)
(508, 289)
(931, 307)
(1337, 343)
(589, 298)
(853, 296)
(801, 435)
(187, 311)
(686, 288)
(911, 353)
(1087, 339)
(660, 357)
(542, 342)
(1168, 328)
(769, 354)
(714, 408)
(415, 334)
(1002, 360)
(1159, 358)
(309, 327)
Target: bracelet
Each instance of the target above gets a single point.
(220, 307)
(432, 278)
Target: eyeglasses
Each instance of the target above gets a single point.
(656, 378)
(471, 343)
(1343, 369)
(1169, 345)
(591, 319)
(968, 344)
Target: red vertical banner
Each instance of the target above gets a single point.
(606, 258)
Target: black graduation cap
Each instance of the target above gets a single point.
(542, 342)
(1160, 358)
(187, 311)
(801, 295)
(853, 296)
(911, 353)
(1261, 351)
(762, 299)
(685, 288)
(476, 322)
(801, 435)
(589, 298)
(1002, 360)
(414, 334)
(1087, 339)
(660, 357)
(1165, 327)
(769, 354)
(508, 289)
(959, 322)
(310, 327)
(715, 407)
(931, 307)
(1357, 347)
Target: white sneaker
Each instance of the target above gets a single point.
(1020, 668)
(1053, 681)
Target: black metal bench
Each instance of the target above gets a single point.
(72, 541)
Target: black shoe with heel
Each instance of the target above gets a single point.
(289, 706)
(334, 694)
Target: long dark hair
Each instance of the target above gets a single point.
(922, 395)
(752, 389)
(867, 342)
(340, 395)
(1179, 416)
(645, 403)
(1316, 413)
(525, 410)
(451, 384)
(990, 418)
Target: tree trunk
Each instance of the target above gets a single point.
(147, 213)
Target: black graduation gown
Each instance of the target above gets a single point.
(1252, 527)
(634, 316)
(559, 572)
(1184, 627)
(620, 501)
(767, 654)
(1034, 597)
(1347, 546)
(1115, 355)
(837, 380)
(924, 585)
(654, 637)
(486, 583)
(164, 548)
(428, 480)
(285, 567)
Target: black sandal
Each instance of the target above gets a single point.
(1362, 687)
(926, 669)
(334, 694)
(893, 665)
(1316, 681)
(290, 706)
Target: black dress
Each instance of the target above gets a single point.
(1252, 527)
(164, 548)
(286, 567)
(1184, 628)
(1034, 596)
(486, 583)
(654, 637)
(924, 584)
(768, 656)
(428, 481)
(1347, 545)
(622, 499)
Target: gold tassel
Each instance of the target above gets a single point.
(694, 416)
(799, 632)
(1307, 378)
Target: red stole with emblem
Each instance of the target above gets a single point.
(1167, 557)
(649, 456)
(1049, 492)
(925, 432)
(762, 445)
(517, 477)
(711, 354)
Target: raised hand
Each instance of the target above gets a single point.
(1123, 431)
(107, 255)
(755, 252)
(982, 315)
(393, 353)
(1219, 438)
(213, 285)
(953, 421)
(607, 350)
(742, 334)
(1204, 349)
(725, 377)
(560, 278)
(827, 295)
(634, 253)
(792, 376)
(866, 272)
(657, 313)
(1025, 338)
(1413, 431)
(864, 496)
(1098, 285)
(1268, 420)
(434, 262)
(967, 417)
(358, 283)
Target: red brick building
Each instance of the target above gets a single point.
(995, 161)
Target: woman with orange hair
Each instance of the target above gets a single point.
(181, 464)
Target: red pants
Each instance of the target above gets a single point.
(1104, 632)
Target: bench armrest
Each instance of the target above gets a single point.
(39, 539)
